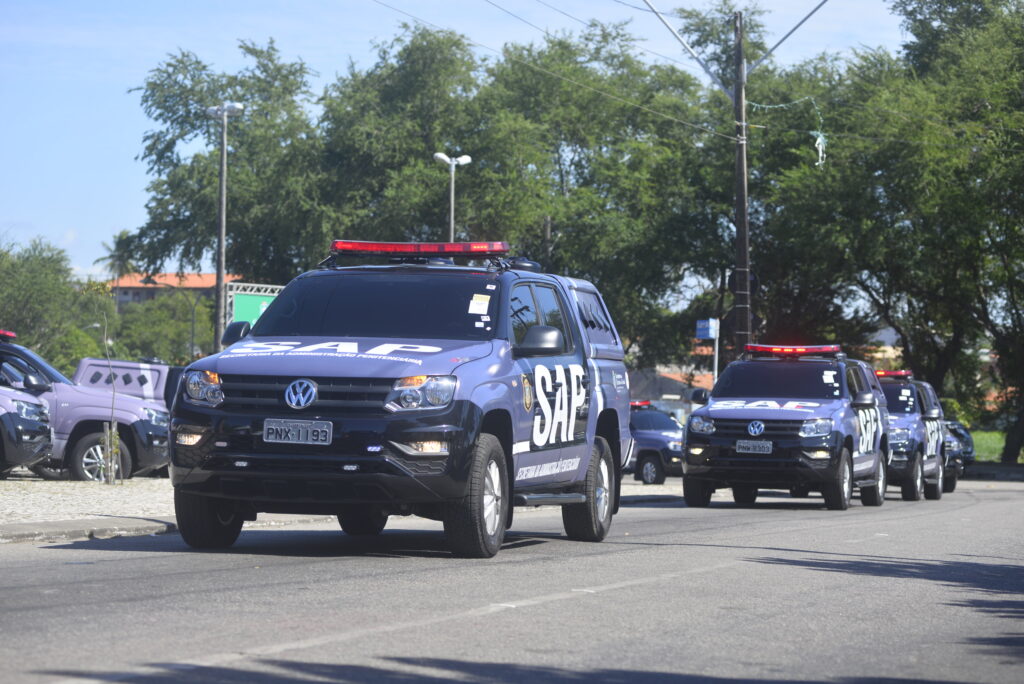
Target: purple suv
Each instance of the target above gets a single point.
(77, 413)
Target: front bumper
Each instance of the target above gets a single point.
(808, 461)
(25, 442)
(900, 462)
(363, 464)
(150, 446)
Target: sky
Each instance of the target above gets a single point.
(72, 129)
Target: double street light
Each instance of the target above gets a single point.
(452, 163)
(222, 112)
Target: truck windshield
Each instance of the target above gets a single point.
(779, 380)
(652, 420)
(391, 304)
(27, 361)
(902, 397)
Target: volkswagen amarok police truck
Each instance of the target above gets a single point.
(797, 418)
(416, 387)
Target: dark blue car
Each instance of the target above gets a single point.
(797, 418)
(657, 443)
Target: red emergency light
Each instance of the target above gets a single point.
(7, 335)
(894, 373)
(809, 350)
(365, 248)
(640, 404)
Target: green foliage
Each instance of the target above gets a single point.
(161, 328)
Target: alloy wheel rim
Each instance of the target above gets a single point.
(648, 472)
(492, 498)
(847, 484)
(94, 463)
(601, 493)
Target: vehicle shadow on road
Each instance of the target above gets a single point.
(424, 670)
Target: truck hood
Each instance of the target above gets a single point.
(344, 357)
(771, 409)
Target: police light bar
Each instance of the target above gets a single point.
(640, 404)
(7, 335)
(809, 350)
(364, 248)
(894, 373)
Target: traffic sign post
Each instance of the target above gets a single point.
(707, 329)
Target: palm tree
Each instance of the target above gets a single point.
(120, 258)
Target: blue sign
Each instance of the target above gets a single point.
(707, 329)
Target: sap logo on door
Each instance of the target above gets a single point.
(557, 423)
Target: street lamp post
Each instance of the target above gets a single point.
(222, 112)
(452, 163)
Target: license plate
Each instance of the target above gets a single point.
(297, 431)
(750, 446)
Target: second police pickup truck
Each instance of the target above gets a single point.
(798, 418)
(415, 387)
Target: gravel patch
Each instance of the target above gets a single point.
(27, 498)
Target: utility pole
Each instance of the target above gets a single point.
(742, 272)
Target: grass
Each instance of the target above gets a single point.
(988, 446)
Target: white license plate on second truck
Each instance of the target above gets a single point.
(296, 431)
(752, 446)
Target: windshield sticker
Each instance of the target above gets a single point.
(807, 406)
(492, 287)
(479, 324)
(828, 377)
(485, 318)
(904, 392)
(478, 305)
(344, 350)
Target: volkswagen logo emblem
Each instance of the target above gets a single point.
(300, 393)
(755, 428)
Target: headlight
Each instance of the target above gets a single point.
(421, 392)
(702, 425)
(818, 427)
(203, 387)
(952, 443)
(158, 418)
(675, 445)
(899, 434)
(31, 411)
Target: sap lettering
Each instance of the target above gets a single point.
(869, 421)
(557, 423)
(335, 347)
(932, 431)
(763, 404)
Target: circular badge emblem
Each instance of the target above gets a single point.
(755, 428)
(527, 393)
(300, 394)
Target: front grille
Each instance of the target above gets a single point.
(264, 393)
(773, 429)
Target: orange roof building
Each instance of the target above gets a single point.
(138, 287)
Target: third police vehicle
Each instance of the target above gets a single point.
(414, 387)
(798, 418)
(917, 435)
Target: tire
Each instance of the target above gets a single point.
(839, 491)
(934, 491)
(591, 520)
(206, 523)
(363, 521)
(799, 491)
(51, 469)
(475, 525)
(86, 461)
(875, 494)
(651, 471)
(913, 487)
(696, 492)
(949, 484)
(744, 495)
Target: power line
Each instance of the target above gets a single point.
(574, 82)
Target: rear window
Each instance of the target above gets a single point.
(901, 397)
(779, 379)
(596, 323)
(385, 304)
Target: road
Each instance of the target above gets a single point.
(928, 591)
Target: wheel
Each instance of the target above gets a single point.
(839, 491)
(651, 471)
(934, 491)
(205, 522)
(475, 525)
(949, 483)
(88, 460)
(913, 486)
(744, 495)
(697, 493)
(591, 520)
(875, 494)
(51, 469)
(799, 491)
(363, 521)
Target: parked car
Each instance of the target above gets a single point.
(963, 435)
(411, 387)
(25, 436)
(657, 444)
(789, 417)
(78, 412)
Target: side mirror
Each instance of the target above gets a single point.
(699, 396)
(933, 414)
(865, 399)
(540, 340)
(34, 383)
(234, 332)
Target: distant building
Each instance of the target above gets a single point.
(138, 287)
